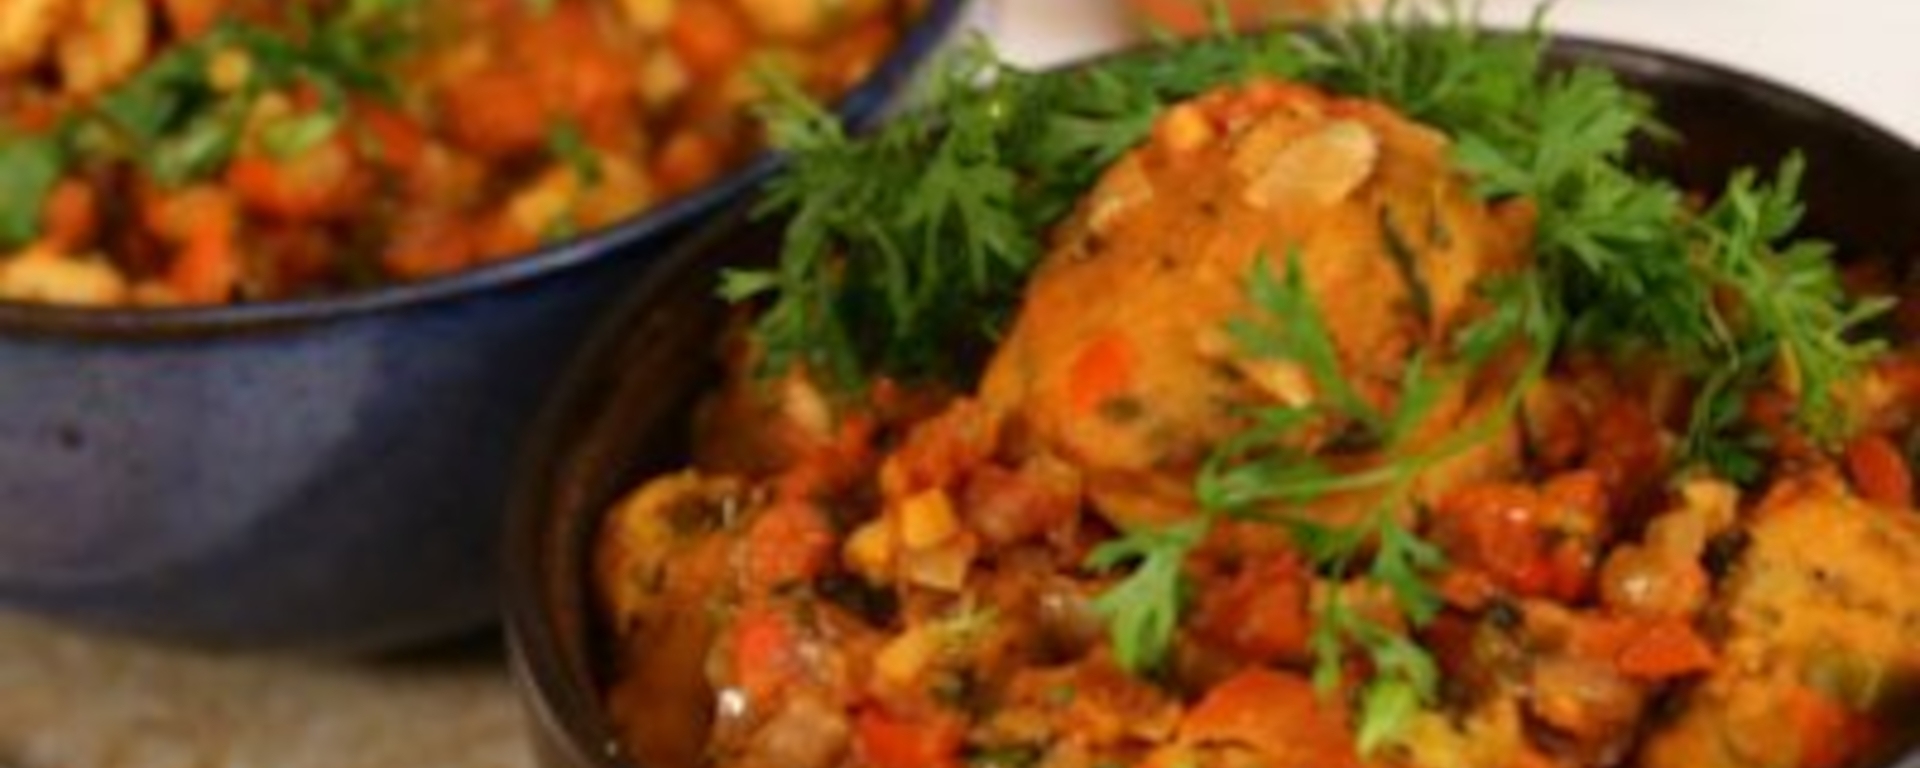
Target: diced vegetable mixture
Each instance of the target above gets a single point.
(1278, 402)
(195, 152)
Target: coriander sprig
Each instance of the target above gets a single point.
(1269, 472)
(1143, 610)
(906, 249)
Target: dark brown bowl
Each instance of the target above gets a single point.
(623, 408)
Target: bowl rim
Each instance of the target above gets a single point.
(568, 712)
(858, 107)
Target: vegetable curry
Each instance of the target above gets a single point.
(192, 152)
(1283, 402)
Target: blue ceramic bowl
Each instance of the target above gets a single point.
(621, 414)
(322, 475)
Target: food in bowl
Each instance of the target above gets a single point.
(1280, 401)
(197, 152)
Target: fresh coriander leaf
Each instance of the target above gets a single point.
(200, 148)
(740, 285)
(34, 165)
(1421, 388)
(1292, 329)
(1387, 707)
(1018, 756)
(294, 135)
(1790, 296)
(1143, 610)
(1403, 563)
(566, 144)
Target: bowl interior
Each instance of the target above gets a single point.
(623, 410)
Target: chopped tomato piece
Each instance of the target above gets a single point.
(1830, 734)
(1879, 471)
(1648, 649)
(765, 653)
(886, 741)
(788, 543)
(1007, 506)
(709, 37)
(1497, 528)
(322, 183)
(1261, 612)
(1626, 447)
(395, 140)
(1277, 715)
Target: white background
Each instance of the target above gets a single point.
(1861, 54)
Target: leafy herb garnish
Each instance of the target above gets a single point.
(1143, 610)
(906, 250)
(567, 145)
(33, 166)
(910, 246)
(177, 121)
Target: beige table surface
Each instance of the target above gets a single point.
(74, 701)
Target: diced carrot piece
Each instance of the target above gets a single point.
(689, 160)
(206, 270)
(594, 84)
(1664, 650)
(496, 113)
(71, 217)
(396, 141)
(1101, 372)
(710, 38)
(428, 244)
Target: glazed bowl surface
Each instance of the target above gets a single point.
(314, 475)
(622, 411)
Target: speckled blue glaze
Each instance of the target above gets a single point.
(324, 475)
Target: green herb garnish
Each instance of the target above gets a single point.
(33, 166)
(567, 145)
(907, 250)
(1143, 610)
